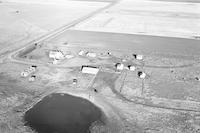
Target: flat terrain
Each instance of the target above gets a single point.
(185, 1)
(165, 101)
(175, 19)
(22, 22)
(171, 84)
(132, 43)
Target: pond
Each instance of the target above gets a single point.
(62, 113)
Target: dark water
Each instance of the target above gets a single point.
(62, 113)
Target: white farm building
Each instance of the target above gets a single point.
(28, 71)
(131, 68)
(119, 66)
(56, 54)
(91, 54)
(138, 56)
(142, 75)
(89, 69)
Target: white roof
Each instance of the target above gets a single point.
(90, 69)
(56, 54)
(139, 57)
(24, 74)
(69, 56)
(32, 78)
(55, 62)
(142, 75)
(91, 54)
(120, 66)
(81, 52)
(132, 68)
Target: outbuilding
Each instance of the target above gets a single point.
(109, 53)
(28, 71)
(55, 61)
(74, 81)
(69, 56)
(89, 69)
(24, 74)
(33, 68)
(81, 53)
(32, 78)
(56, 54)
(131, 67)
(142, 75)
(138, 56)
(91, 54)
(119, 66)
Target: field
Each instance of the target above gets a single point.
(174, 19)
(130, 42)
(166, 33)
(23, 22)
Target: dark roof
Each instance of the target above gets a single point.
(88, 66)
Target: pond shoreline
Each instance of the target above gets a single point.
(60, 112)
